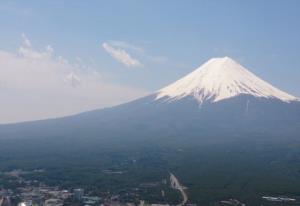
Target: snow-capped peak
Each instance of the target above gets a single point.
(219, 79)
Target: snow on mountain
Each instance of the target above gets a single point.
(219, 79)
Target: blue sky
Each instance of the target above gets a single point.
(144, 45)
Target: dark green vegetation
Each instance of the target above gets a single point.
(219, 151)
(242, 169)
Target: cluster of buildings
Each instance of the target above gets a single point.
(42, 195)
(46, 196)
(27, 192)
(53, 196)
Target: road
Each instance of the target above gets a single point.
(175, 184)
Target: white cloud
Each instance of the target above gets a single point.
(125, 45)
(141, 52)
(121, 55)
(37, 84)
(27, 51)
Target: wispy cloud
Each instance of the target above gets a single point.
(38, 84)
(121, 55)
(123, 47)
(27, 51)
(126, 45)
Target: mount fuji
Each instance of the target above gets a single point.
(220, 96)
